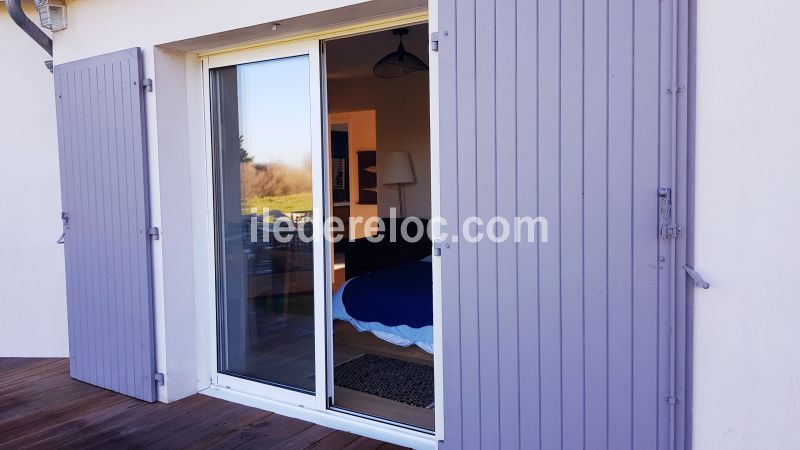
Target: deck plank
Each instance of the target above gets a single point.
(333, 440)
(42, 407)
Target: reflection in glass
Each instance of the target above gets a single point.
(261, 135)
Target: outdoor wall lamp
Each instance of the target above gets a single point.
(52, 14)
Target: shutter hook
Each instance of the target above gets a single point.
(64, 227)
(698, 279)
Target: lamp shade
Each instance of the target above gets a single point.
(399, 62)
(397, 168)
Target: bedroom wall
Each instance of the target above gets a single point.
(403, 124)
(361, 136)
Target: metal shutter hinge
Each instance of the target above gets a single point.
(147, 84)
(672, 400)
(158, 377)
(155, 233)
(435, 41)
(667, 229)
(438, 244)
(698, 279)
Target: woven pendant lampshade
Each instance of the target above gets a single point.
(400, 62)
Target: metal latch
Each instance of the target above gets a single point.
(672, 399)
(698, 279)
(435, 41)
(158, 377)
(667, 229)
(155, 233)
(64, 227)
(147, 84)
(670, 231)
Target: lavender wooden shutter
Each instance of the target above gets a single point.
(562, 109)
(104, 195)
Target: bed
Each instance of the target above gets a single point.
(395, 304)
(389, 289)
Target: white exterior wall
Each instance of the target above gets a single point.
(110, 25)
(33, 313)
(747, 326)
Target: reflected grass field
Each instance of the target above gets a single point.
(284, 203)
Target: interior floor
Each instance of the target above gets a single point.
(349, 343)
(349, 340)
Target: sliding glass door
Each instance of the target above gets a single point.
(267, 170)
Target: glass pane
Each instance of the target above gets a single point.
(261, 132)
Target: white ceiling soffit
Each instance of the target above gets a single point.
(299, 25)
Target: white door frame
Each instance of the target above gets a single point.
(284, 401)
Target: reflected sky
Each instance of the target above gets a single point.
(275, 110)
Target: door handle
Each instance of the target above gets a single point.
(64, 227)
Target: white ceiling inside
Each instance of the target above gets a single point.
(354, 56)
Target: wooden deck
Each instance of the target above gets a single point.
(42, 407)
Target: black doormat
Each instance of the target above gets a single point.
(389, 378)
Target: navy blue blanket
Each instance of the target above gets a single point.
(398, 295)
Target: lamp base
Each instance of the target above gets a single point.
(400, 199)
